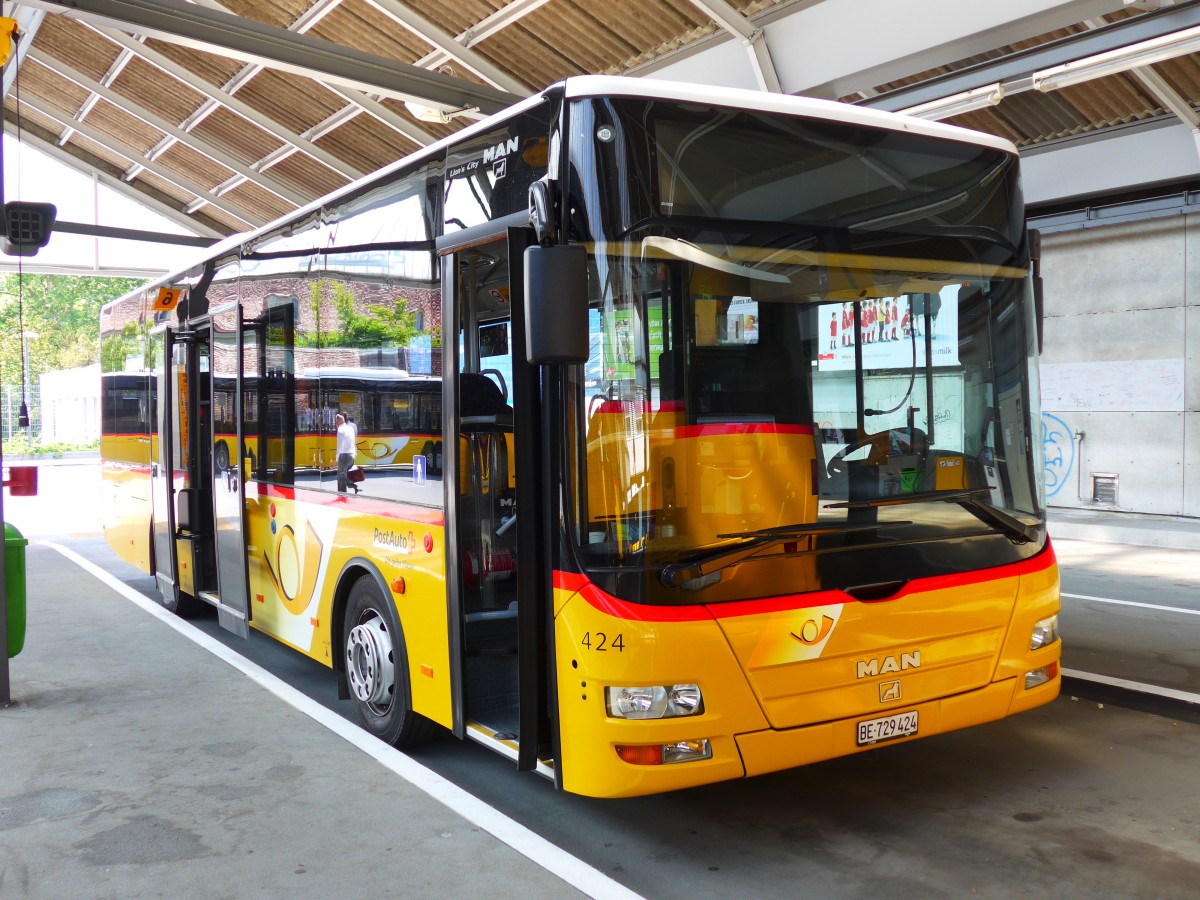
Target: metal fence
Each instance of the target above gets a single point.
(10, 409)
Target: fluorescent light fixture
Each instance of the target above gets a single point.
(957, 104)
(433, 114)
(1146, 53)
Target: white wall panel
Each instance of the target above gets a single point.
(725, 64)
(833, 48)
(1115, 267)
(1122, 364)
(1124, 161)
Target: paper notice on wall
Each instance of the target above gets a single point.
(1132, 385)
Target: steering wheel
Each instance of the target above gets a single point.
(880, 444)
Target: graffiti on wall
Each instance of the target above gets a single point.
(1058, 451)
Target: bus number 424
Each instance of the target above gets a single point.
(600, 642)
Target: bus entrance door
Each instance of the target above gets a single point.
(495, 473)
(199, 510)
(180, 559)
(161, 488)
(485, 484)
(223, 427)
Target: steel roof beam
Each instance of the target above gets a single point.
(191, 141)
(311, 17)
(128, 191)
(28, 22)
(1158, 88)
(753, 38)
(93, 98)
(1012, 70)
(361, 104)
(484, 29)
(132, 155)
(374, 108)
(330, 123)
(131, 234)
(1167, 96)
(444, 43)
(247, 112)
(227, 35)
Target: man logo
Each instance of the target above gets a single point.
(502, 149)
(889, 692)
(871, 667)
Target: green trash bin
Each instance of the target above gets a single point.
(14, 583)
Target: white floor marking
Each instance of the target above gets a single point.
(1140, 687)
(1177, 609)
(573, 871)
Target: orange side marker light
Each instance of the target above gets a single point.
(641, 754)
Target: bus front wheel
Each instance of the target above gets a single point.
(377, 667)
(221, 456)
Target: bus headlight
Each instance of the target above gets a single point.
(1041, 676)
(1045, 633)
(655, 702)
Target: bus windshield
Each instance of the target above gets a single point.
(807, 339)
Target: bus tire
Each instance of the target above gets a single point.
(427, 452)
(377, 667)
(437, 458)
(221, 456)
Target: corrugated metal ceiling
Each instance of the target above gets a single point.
(552, 40)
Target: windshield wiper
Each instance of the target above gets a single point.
(680, 573)
(1016, 530)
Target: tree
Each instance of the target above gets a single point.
(381, 325)
(63, 311)
(119, 348)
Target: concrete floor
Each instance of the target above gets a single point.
(138, 764)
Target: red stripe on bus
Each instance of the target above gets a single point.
(623, 407)
(711, 429)
(388, 510)
(640, 612)
(714, 429)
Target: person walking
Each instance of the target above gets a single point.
(346, 437)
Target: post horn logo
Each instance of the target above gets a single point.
(813, 632)
(294, 574)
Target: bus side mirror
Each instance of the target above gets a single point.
(556, 305)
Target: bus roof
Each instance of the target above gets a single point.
(583, 86)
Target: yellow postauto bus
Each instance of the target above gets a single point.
(735, 463)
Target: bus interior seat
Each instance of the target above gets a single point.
(482, 402)
(488, 558)
(486, 423)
